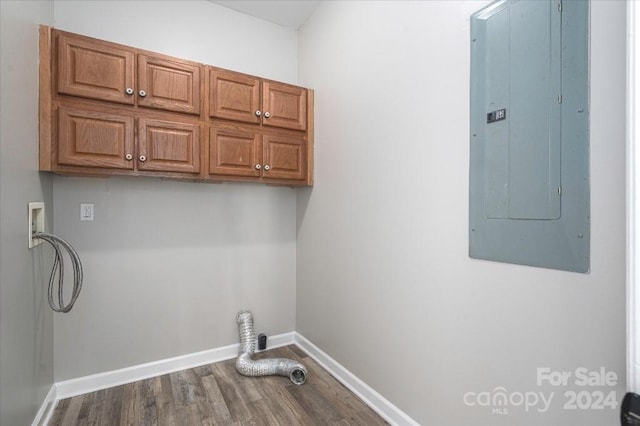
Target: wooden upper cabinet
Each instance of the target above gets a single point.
(238, 151)
(95, 139)
(284, 157)
(168, 84)
(234, 96)
(104, 140)
(168, 146)
(284, 105)
(241, 97)
(96, 70)
(111, 109)
(104, 71)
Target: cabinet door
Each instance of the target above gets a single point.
(94, 69)
(168, 146)
(94, 139)
(284, 106)
(284, 156)
(234, 152)
(167, 84)
(234, 96)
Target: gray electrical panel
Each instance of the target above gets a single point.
(529, 164)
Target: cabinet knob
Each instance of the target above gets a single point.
(142, 93)
(129, 157)
(258, 113)
(129, 91)
(258, 166)
(266, 167)
(267, 114)
(142, 158)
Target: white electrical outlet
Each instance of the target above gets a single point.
(86, 211)
(36, 222)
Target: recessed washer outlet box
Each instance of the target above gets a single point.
(36, 222)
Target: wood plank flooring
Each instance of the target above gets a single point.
(215, 394)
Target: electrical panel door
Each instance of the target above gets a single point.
(529, 194)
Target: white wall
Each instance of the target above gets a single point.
(633, 198)
(382, 236)
(26, 322)
(190, 29)
(168, 264)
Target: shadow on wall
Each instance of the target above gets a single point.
(41, 335)
(302, 203)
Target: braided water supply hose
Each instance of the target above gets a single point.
(58, 264)
(246, 366)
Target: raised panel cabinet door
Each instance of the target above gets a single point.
(284, 105)
(168, 84)
(168, 146)
(234, 152)
(284, 157)
(95, 139)
(234, 96)
(95, 70)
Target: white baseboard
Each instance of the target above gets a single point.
(373, 399)
(94, 382)
(46, 409)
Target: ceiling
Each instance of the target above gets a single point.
(288, 13)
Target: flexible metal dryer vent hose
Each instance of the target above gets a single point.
(246, 366)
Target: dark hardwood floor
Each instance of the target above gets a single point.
(215, 394)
